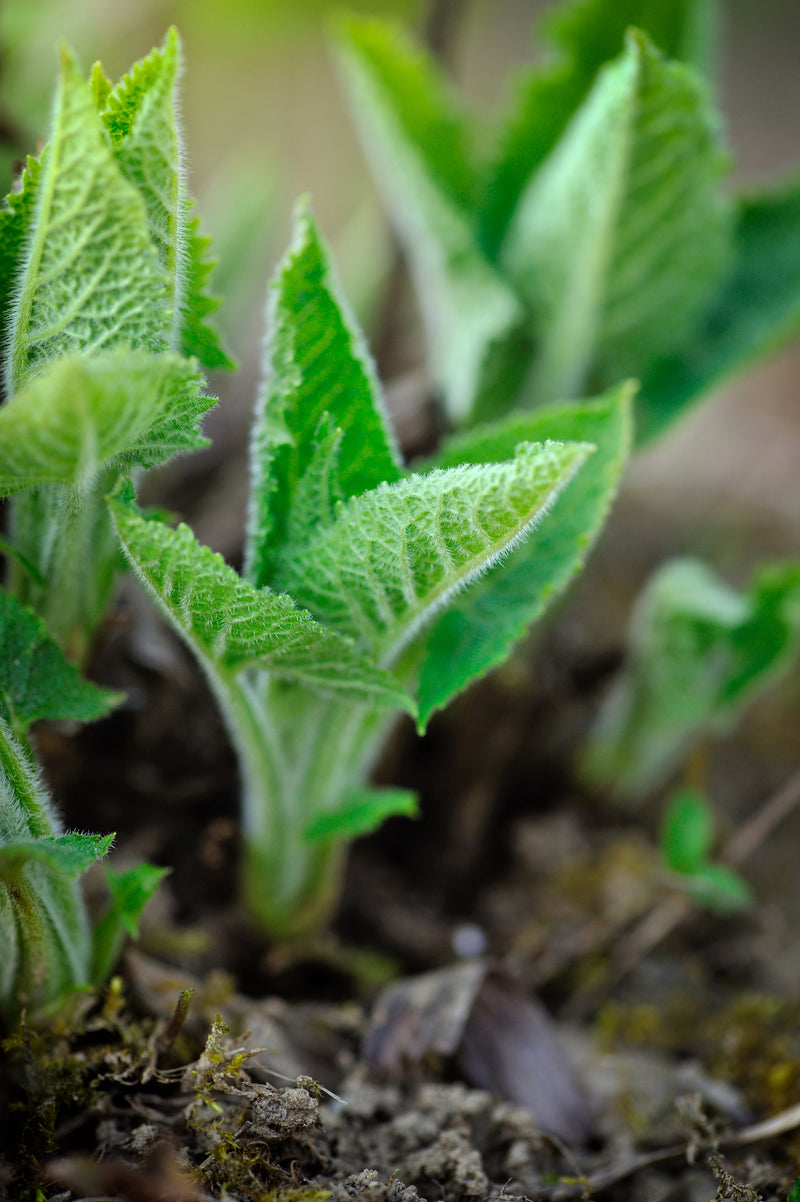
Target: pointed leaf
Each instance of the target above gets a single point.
(361, 812)
(130, 891)
(585, 34)
(199, 337)
(317, 370)
(69, 855)
(755, 311)
(398, 555)
(698, 651)
(232, 625)
(83, 414)
(687, 831)
(91, 278)
(625, 222)
(140, 117)
(416, 144)
(15, 222)
(719, 888)
(477, 633)
(36, 681)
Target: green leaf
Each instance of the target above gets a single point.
(130, 891)
(687, 831)
(15, 222)
(417, 145)
(361, 812)
(585, 34)
(398, 555)
(479, 630)
(698, 651)
(231, 625)
(36, 681)
(68, 855)
(199, 338)
(719, 889)
(318, 377)
(83, 414)
(794, 1192)
(624, 222)
(140, 116)
(91, 278)
(755, 311)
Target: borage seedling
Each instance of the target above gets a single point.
(378, 558)
(103, 278)
(48, 948)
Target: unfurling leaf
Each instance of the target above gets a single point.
(361, 812)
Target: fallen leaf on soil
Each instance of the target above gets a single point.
(501, 1038)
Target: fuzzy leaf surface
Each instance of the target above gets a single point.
(69, 855)
(319, 380)
(698, 652)
(417, 145)
(231, 625)
(624, 222)
(477, 633)
(200, 338)
(584, 34)
(398, 555)
(361, 812)
(83, 414)
(91, 278)
(15, 221)
(130, 891)
(36, 681)
(755, 311)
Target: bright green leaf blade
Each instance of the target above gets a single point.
(232, 625)
(397, 556)
(625, 222)
(479, 631)
(69, 855)
(36, 681)
(140, 116)
(698, 651)
(361, 812)
(687, 831)
(317, 367)
(130, 891)
(91, 278)
(586, 34)
(199, 337)
(719, 888)
(15, 222)
(416, 144)
(83, 414)
(755, 311)
(794, 1192)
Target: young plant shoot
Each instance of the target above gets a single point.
(102, 297)
(698, 652)
(598, 241)
(687, 837)
(381, 560)
(48, 946)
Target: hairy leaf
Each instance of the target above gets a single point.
(68, 855)
(319, 378)
(585, 35)
(416, 143)
(361, 811)
(15, 222)
(91, 278)
(479, 630)
(698, 652)
(232, 625)
(199, 337)
(84, 414)
(398, 555)
(36, 681)
(755, 311)
(624, 223)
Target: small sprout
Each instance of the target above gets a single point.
(687, 835)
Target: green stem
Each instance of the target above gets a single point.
(299, 756)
